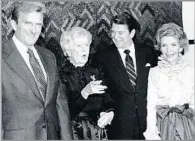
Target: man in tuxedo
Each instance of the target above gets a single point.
(126, 64)
(34, 106)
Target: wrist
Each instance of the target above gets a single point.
(84, 94)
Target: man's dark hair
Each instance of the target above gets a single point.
(128, 19)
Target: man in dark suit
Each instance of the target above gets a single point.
(126, 65)
(34, 106)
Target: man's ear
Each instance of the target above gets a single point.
(14, 24)
(132, 33)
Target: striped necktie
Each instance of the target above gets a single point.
(38, 73)
(130, 68)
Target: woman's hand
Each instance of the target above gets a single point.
(105, 119)
(94, 87)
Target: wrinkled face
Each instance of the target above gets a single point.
(121, 36)
(170, 48)
(28, 28)
(79, 51)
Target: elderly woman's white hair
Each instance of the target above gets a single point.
(68, 36)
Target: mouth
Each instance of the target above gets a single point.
(84, 56)
(169, 55)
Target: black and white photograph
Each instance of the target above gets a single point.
(97, 70)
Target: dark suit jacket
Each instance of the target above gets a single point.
(25, 115)
(126, 100)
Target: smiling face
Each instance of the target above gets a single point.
(121, 36)
(79, 51)
(170, 48)
(28, 28)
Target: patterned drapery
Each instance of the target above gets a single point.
(95, 16)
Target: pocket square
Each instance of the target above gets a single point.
(147, 65)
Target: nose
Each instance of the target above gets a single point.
(169, 48)
(33, 29)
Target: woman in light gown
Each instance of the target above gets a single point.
(170, 100)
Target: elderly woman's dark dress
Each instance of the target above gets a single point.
(84, 112)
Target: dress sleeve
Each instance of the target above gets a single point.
(76, 101)
(192, 100)
(107, 102)
(191, 92)
(151, 132)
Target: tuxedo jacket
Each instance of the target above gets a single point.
(25, 115)
(130, 104)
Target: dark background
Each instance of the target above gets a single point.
(96, 16)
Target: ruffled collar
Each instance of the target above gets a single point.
(69, 67)
(171, 70)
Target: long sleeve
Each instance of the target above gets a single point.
(191, 93)
(192, 100)
(151, 130)
(63, 114)
(2, 128)
(191, 88)
(76, 102)
(108, 103)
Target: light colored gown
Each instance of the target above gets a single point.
(169, 88)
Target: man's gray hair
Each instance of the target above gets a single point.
(27, 7)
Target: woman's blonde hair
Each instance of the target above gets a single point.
(171, 29)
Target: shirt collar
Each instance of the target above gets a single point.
(131, 48)
(20, 45)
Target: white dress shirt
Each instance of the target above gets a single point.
(132, 54)
(23, 51)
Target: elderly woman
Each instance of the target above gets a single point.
(170, 97)
(91, 107)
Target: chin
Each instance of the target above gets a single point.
(81, 64)
(172, 60)
(119, 46)
(31, 43)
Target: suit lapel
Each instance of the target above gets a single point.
(140, 59)
(119, 67)
(19, 66)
